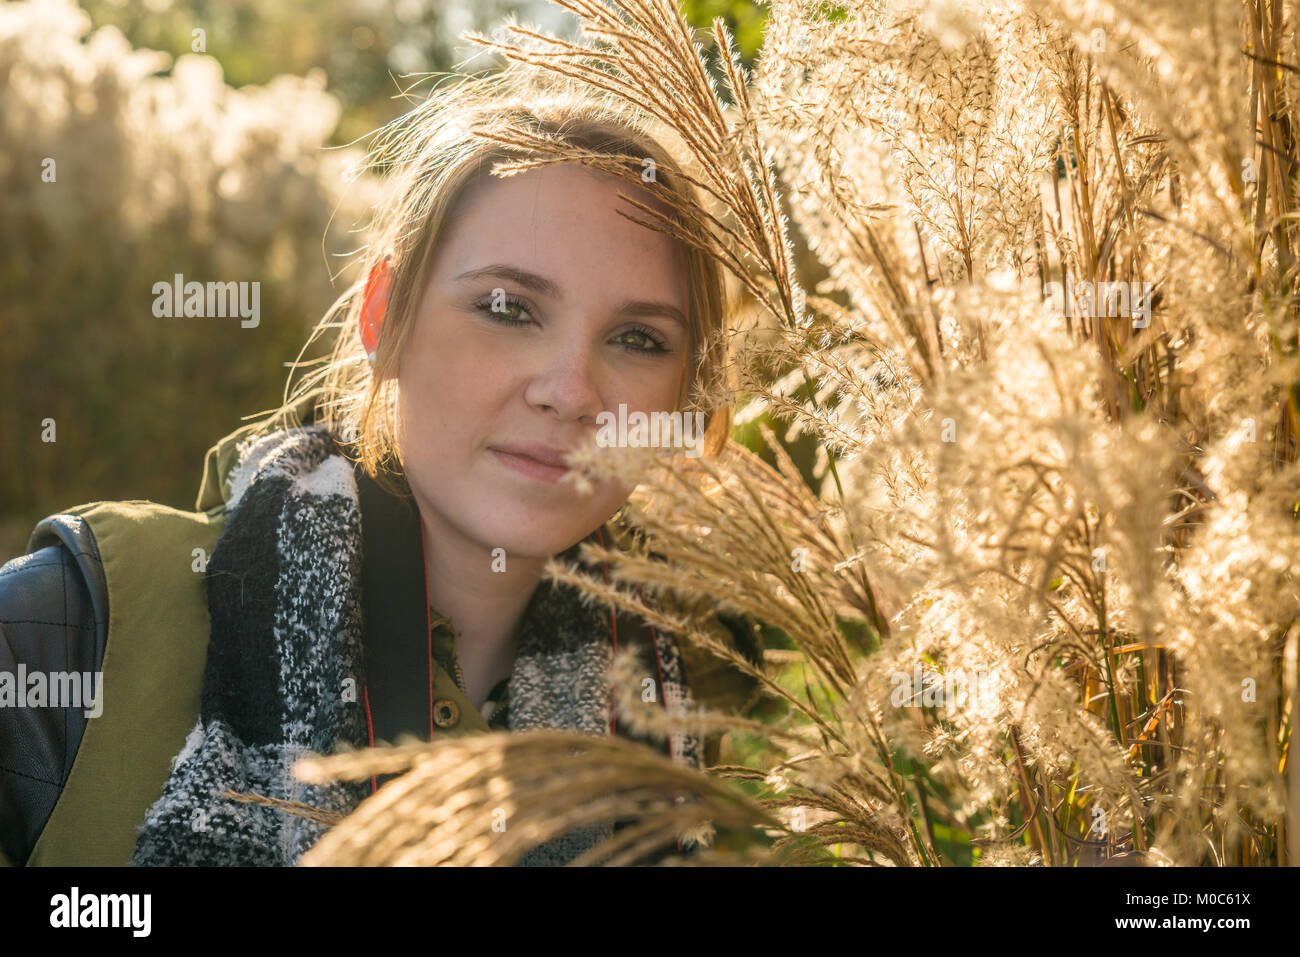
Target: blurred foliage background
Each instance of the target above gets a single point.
(148, 138)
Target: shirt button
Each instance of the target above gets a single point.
(445, 713)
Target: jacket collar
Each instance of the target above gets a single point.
(394, 608)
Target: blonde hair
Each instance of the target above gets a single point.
(432, 156)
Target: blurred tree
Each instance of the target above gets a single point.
(370, 50)
(115, 177)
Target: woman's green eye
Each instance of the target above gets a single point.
(651, 341)
(498, 310)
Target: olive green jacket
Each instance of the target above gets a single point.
(153, 559)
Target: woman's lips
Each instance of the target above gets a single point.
(531, 467)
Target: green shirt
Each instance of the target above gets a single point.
(442, 636)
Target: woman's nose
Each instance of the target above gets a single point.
(565, 383)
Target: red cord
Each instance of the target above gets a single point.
(370, 731)
(428, 624)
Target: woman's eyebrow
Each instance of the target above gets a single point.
(529, 280)
(544, 286)
(641, 307)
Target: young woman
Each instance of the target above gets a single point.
(367, 563)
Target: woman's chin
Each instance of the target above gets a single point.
(524, 539)
(525, 536)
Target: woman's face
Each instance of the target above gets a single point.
(589, 313)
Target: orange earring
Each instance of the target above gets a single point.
(375, 306)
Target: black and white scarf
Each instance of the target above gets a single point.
(284, 596)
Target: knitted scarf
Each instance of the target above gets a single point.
(284, 597)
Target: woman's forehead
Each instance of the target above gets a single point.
(564, 219)
(550, 191)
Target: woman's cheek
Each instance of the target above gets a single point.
(470, 367)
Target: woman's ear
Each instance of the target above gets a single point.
(375, 306)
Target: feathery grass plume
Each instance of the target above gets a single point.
(486, 799)
(1039, 604)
